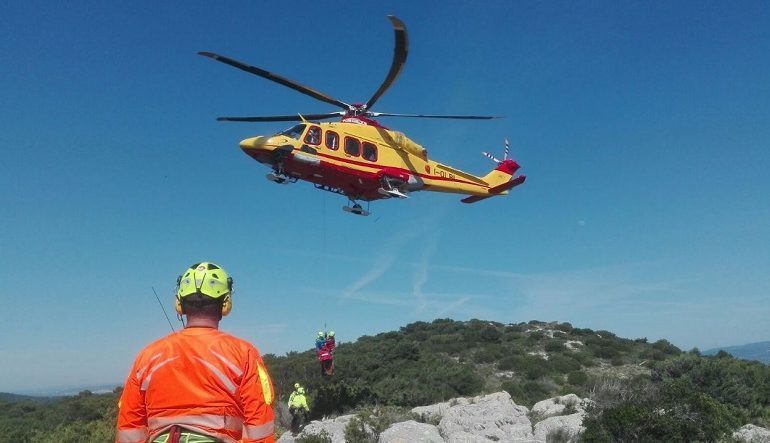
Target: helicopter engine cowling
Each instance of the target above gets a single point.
(401, 178)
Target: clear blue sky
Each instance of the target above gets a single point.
(643, 128)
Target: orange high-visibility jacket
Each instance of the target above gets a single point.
(202, 379)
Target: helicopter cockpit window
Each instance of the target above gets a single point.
(352, 146)
(369, 151)
(294, 132)
(332, 140)
(313, 136)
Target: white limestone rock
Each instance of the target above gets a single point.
(558, 406)
(411, 431)
(437, 411)
(335, 429)
(489, 417)
(566, 426)
(752, 434)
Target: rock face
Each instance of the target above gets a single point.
(752, 434)
(490, 417)
(411, 431)
(334, 428)
(493, 417)
(566, 427)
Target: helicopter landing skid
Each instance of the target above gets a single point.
(355, 209)
(281, 179)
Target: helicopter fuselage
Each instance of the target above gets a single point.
(357, 159)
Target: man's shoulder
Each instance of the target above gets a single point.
(237, 341)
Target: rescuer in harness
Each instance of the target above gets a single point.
(298, 409)
(325, 352)
(198, 385)
(320, 339)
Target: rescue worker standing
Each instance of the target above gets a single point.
(294, 392)
(298, 409)
(198, 384)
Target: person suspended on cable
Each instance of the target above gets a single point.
(198, 384)
(320, 339)
(331, 342)
(326, 359)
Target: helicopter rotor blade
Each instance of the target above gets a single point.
(461, 117)
(276, 78)
(491, 157)
(400, 52)
(281, 118)
(507, 149)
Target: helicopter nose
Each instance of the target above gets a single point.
(253, 143)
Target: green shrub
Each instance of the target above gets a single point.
(535, 337)
(356, 432)
(490, 334)
(665, 347)
(577, 378)
(554, 346)
(562, 364)
(527, 393)
(321, 437)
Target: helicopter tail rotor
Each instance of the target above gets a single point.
(505, 154)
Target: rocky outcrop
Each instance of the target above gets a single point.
(490, 417)
(559, 428)
(493, 417)
(333, 428)
(752, 434)
(411, 431)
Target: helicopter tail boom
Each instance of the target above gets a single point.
(500, 180)
(496, 190)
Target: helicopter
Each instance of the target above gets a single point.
(357, 156)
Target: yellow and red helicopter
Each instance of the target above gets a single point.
(357, 156)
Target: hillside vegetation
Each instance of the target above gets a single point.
(642, 390)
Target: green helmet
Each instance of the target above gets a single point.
(204, 278)
(331, 333)
(296, 385)
(321, 334)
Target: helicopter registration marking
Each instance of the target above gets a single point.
(443, 174)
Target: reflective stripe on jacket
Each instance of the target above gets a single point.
(202, 379)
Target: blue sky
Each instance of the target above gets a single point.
(643, 128)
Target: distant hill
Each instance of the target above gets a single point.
(753, 351)
(61, 391)
(11, 398)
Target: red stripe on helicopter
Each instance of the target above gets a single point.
(375, 166)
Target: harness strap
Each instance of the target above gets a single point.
(174, 434)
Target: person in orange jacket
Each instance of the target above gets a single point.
(198, 384)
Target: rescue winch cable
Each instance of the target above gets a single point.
(164, 309)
